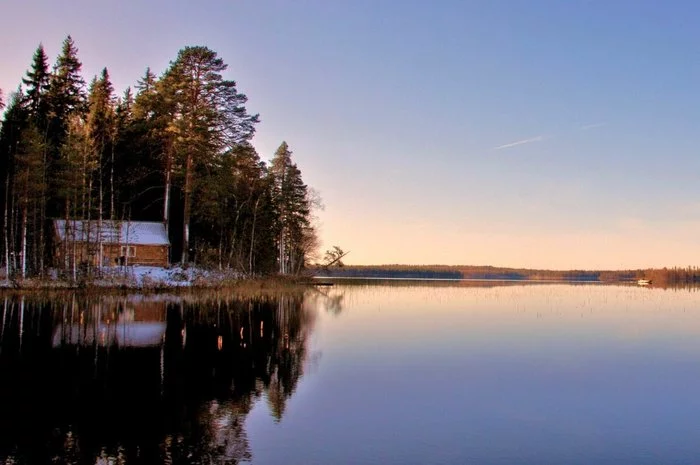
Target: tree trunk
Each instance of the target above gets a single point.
(87, 226)
(111, 184)
(166, 196)
(6, 226)
(221, 245)
(100, 212)
(126, 247)
(252, 238)
(74, 246)
(186, 213)
(23, 247)
(35, 237)
(42, 207)
(42, 233)
(66, 256)
(282, 253)
(13, 231)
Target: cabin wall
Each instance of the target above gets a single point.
(151, 255)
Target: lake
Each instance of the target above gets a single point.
(381, 373)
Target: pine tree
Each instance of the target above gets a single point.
(209, 116)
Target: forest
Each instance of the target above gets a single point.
(175, 148)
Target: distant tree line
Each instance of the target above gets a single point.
(659, 277)
(175, 149)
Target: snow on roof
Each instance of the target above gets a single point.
(113, 232)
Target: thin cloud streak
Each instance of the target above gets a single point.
(586, 127)
(520, 142)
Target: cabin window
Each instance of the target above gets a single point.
(128, 251)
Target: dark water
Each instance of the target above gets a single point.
(417, 374)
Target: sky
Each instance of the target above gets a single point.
(546, 133)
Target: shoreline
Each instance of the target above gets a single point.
(202, 280)
(182, 279)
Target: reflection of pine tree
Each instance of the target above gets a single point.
(288, 354)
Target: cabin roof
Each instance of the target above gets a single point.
(113, 232)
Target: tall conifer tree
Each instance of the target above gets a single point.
(291, 199)
(67, 87)
(37, 84)
(66, 96)
(101, 130)
(37, 103)
(209, 116)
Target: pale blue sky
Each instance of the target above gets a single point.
(396, 110)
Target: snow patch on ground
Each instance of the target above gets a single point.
(153, 276)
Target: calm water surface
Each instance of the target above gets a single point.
(377, 374)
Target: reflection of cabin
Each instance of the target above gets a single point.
(123, 323)
(112, 242)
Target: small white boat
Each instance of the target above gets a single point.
(644, 282)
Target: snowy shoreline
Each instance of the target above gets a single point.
(144, 278)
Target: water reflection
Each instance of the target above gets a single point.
(89, 379)
(440, 373)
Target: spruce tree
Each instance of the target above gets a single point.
(67, 85)
(144, 102)
(125, 107)
(66, 91)
(293, 207)
(66, 98)
(147, 83)
(37, 84)
(37, 104)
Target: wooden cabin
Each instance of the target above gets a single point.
(111, 243)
